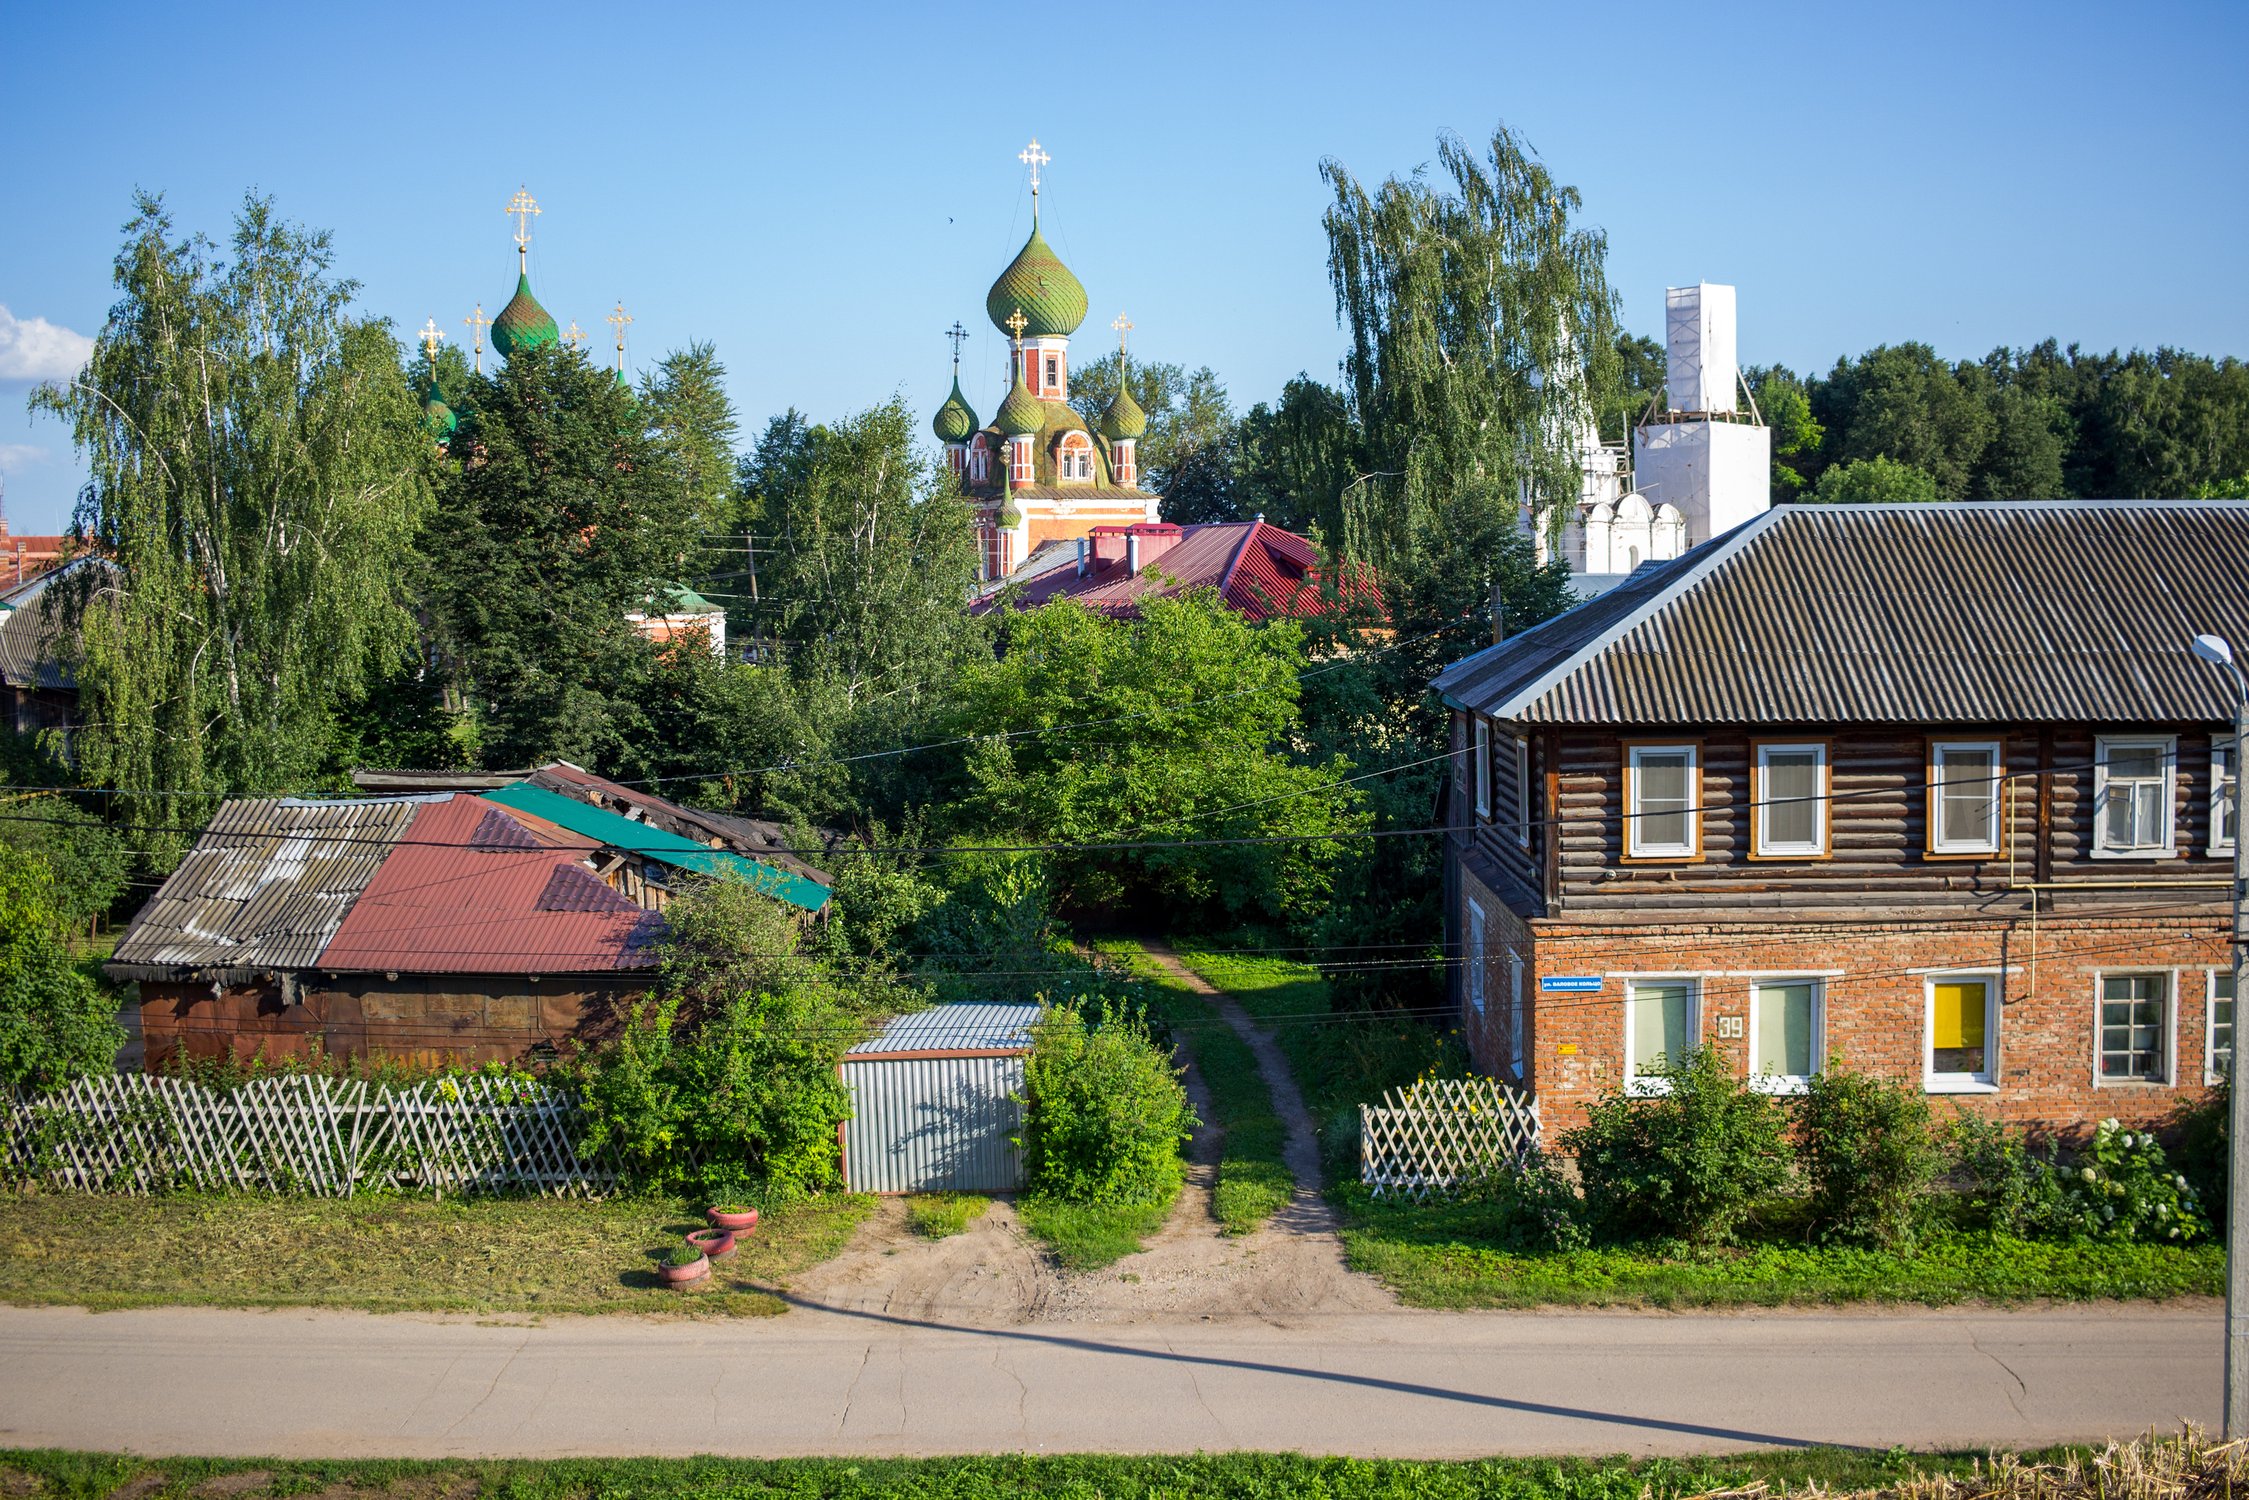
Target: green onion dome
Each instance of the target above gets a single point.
(1052, 299)
(1122, 417)
(623, 384)
(437, 417)
(955, 421)
(1010, 517)
(1021, 414)
(523, 323)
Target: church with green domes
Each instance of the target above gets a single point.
(1038, 475)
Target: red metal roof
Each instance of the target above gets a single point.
(474, 888)
(1260, 571)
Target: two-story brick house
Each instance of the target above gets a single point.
(1937, 790)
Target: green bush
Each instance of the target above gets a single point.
(2202, 1126)
(56, 1023)
(1689, 1163)
(1105, 1115)
(1999, 1180)
(1868, 1156)
(1532, 1205)
(2119, 1188)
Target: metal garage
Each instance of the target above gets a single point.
(933, 1102)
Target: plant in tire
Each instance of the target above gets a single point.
(1689, 1163)
(1105, 1116)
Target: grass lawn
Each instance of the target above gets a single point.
(1085, 1236)
(491, 1255)
(48, 1475)
(937, 1216)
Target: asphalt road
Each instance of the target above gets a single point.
(320, 1384)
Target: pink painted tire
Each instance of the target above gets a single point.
(744, 1222)
(714, 1243)
(683, 1275)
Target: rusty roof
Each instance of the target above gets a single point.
(1259, 569)
(263, 890)
(2073, 611)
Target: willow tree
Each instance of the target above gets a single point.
(1483, 339)
(257, 473)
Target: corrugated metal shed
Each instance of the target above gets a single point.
(263, 890)
(934, 1102)
(2007, 612)
(616, 831)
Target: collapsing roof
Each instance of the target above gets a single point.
(1991, 613)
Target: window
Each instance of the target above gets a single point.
(1962, 1054)
(1053, 372)
(1483, 769)
(1659, 1029)
(1791, 797)
(1661, 819)
(1475, 959)
(2218, 1066)
(2132, 796)
(1515, 1011)
(2134, 1042)
(1964, 797)
(2225, 798)
(1784, 1034)
(1523, 792)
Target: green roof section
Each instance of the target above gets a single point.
(633, 837)
(1021, 414)
(1052, 299)
(1122, 417)
(437, 417)
(523, 323)
(956, 419)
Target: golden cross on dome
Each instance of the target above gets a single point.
(523, 208)
(477, 324)
(1123, 325)
(959, 336)
(618, 320)
(576, 335)
(432, 336)
(1016, 323)
(1034, 157)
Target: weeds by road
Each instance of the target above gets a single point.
(938, 1216)
(1088, 1236)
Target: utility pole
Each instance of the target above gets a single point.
(2219, 653)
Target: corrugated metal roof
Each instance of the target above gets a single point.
(616, 831)
(2006, 612)
(955, 1028)
(264, 889)
(757, 838)
(31, 638)
(1260, 571)
(450, 899)
(933, 1124)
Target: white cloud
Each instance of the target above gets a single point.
(35, 349)
(17, 457)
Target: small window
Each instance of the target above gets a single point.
(1791, 798)
(1784, 1034)
(1053, 372)
(1523, 792)
(1515, 1011)
(1476, 959)
(1484, 769)
(2225, 798)
(1659, 1029)
(2132, 796)
(1963, 1037)
(1964, 797)
(2134, 1044)
(2218, 1064)
(1661, 819)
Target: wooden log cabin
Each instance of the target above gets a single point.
(1932, 791)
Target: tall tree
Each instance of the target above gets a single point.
(694, 427)
(1188, 413)
(258, 470)
(1903, 403)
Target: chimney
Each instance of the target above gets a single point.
(1108, 547)
(1153, 539)
(1083, 556)
(1132, 552)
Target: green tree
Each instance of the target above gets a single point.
(694, 427)
(258, 470)
(56, 1024)
(558, 516)
(1190, 711)
(2029, 441)
(1902, 402)
(1874, 481)
(1787, 411)
(1188, 413)
(1641, 372)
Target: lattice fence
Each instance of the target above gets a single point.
(1425, 1140)
(325, 1137)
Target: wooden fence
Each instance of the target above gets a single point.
(1425, 1140)
(325, 1137)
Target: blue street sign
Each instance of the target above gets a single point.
(1569, 984)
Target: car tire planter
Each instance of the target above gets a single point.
(744, 1222)
(714, 1243)
(694, 1271)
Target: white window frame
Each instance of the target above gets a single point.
(2169, 1027)
(1481, 740)
(1986, 1082)
(1523, 790)
(1764, 844)
(1515, 1028)
(1637, 847)
(1938, 843)
(1479, 940)
(2211, 1072)
(1634, 1084)
(2168, 745)
(1789, 1083)
(2225, 791)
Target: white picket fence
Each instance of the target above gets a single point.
(324, 1137)
(1424, 1140)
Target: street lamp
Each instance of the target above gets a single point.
(2216, 651)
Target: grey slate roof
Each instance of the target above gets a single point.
(263, 890)
(31, 639)
(954, 1028)
(2004, 612)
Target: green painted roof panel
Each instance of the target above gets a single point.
(624, 833)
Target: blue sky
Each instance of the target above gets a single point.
(822, 189)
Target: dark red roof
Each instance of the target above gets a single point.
(1260, 570)
(475, 888)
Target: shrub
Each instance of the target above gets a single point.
(1999, 1179)
(2119, 1188)
(2202, 1125)
(1105, 1115)
(56, 1023)
(1869, 1157)
(1536, 1208)
(1690, 1163)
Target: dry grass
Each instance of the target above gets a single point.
(2188, 1467)
(486, 1255)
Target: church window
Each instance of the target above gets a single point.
(1053, 372)
(1075, 462)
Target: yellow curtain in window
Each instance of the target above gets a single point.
(1959, 1018)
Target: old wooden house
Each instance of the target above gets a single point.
(1935, 791)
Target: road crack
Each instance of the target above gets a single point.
(497, 1376)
